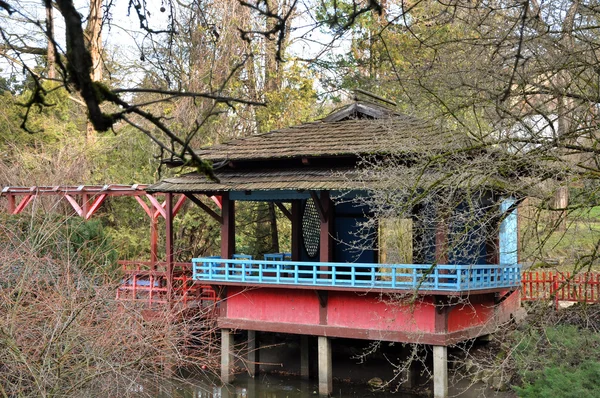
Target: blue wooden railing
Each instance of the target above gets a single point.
(353, 275)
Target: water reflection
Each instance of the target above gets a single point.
(265, 386)
(244, 387)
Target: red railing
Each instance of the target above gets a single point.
(559, 286)
(146, 281)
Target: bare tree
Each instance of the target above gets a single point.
(80, 63)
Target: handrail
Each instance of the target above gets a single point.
(129, 266)
(427, 277)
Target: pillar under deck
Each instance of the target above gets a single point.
(304, 363)
(227, 356)
(440, 372)
(325, 366)
(253, 353)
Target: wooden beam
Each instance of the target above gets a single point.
(204, 207)
(296, 229)
(153, 241)
(85, 205)
(73, 203)
(284, 210)
(11, 204)
(169, 243)
(227, 227)
(320, 209)
(95, 205)
(179, 204)
(325, 239)
(160, 208)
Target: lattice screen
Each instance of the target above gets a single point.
(311, 227)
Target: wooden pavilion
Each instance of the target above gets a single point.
(322, 289)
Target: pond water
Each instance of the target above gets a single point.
(265, 386)
(352, 371)
(275, 386)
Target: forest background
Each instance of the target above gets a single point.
(80, 104)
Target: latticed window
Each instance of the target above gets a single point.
(311, 228)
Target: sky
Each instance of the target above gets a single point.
(122, 35)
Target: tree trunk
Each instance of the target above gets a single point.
(561, 201)
(272, 77)
(93, 35)
(93, 39)
(51, 51)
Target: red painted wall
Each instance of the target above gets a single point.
(273, 305)
(346, 309)
(464, 316)
(366, 315)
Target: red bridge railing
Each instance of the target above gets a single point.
(561, 286)
(146, 281)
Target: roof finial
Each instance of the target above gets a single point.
(374, 96)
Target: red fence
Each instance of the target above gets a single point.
(581, 288)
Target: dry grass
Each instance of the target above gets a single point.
(62, 333)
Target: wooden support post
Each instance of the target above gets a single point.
(284, 210)
(169, 244)
(227, 227)
(326, 241)
(440, 371)
(85, 205)
(11, 203)
(153, 241)
(296, 229)
(253, 353)
(304, 358)
(325, 366)
(227, 356)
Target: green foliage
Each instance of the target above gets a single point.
(90, 244)
(293, 104)
(558, 361)
(48, 125)
(565, 381)
(197, 234)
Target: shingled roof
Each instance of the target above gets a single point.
(391, 132)
(354, 130)
(263, 179)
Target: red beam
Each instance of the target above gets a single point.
(153, 240)
(145, 207)
(74, 205)
(160, 208)
(95, 205)
(22, 204)
(218, 200)
(179, 204)
(110, 189)
(169, 242)
(11, 204)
